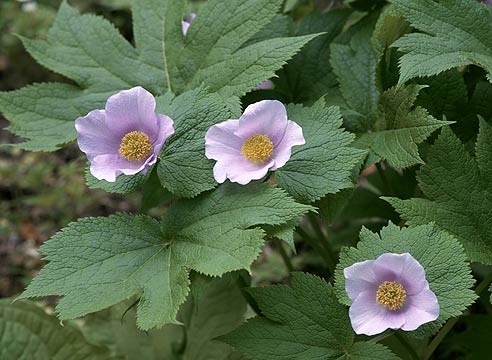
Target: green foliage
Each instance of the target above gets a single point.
(460, 193)
(98, 262)
(325, 163)
(304, 321)
(303, 80)
(90, 51)
(27, 332)
(124, 184)
(400, 127)
(183, 168)
(355, 67)
(215, 307)
(455, 33)
(441, 255)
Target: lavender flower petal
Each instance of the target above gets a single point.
(267, 117)
(370, 318)
(94, 137)
(132, 110)
(282, 152)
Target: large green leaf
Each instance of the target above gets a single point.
(27, 332)
(89, 50)
(455, 33)
(301, 322)
(400, 127)
(325, 163)
(440, 254)
(98, 262)
(459, 193)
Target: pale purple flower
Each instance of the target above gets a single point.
(390, 292)
(259, 141)
(488, 2)
(124, 138)
(186, 22)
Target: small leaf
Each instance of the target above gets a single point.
(183, 168)
(324, 164)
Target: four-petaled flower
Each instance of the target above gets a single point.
(390, 292)
(124, 138)
(259, 141)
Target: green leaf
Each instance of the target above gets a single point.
(215, 306)
(90, 51)
(124, 184)
(302, 79)
(44, 114)
(97, 262)
(400, 127)
(460, 193)
(183, 168)
(27, 332)
(304, 321)
(324, 164)
(441, 255)
(449, 38)
(355, 67)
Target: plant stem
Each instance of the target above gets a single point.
(322, 239)
(411, 351)
(387, 186)
(449, 325)
(318, 248)
(283, 253)
(381, 336)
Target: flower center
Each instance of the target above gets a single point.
(391, 294)
(258, 148)
(135, 146)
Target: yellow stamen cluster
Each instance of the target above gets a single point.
(258, 148)
(391, 295)
(135, 146)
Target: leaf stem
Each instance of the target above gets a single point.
(411, 351)
(322, 239)
(386, 184)
(381, 336)
(283, 253)
(317, 247)
(449, 325)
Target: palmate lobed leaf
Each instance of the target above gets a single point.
(27, 332)
(455, 33)
(459, 192)
(325, 163)
(97, 262)
(400, 127)
(446, 267)
(303, 321)
(89, 50)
